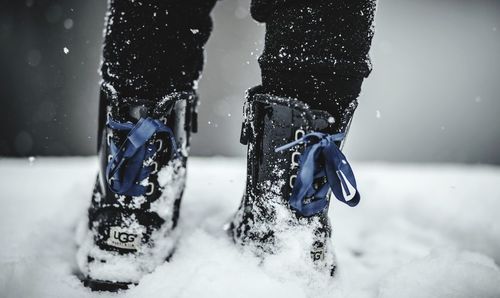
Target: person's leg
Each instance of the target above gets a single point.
(313, 64)
(153, 55)
(153, 48)
(317, 51)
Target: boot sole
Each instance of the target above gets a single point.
(106, 286)
(109, 286)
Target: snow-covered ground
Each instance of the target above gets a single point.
(420, 231)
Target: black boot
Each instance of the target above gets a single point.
(135, 203)
(288, 187)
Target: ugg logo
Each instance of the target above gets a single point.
(318, 254)
(123, 238)
(299, 133)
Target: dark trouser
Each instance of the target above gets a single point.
(315, 50)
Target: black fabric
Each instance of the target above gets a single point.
(317, 51)
(336, 94)
(315, 36)
(155, 47)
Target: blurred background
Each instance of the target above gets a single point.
(433, 95)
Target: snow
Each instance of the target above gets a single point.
(420, 231)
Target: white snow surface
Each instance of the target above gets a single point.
(420, 231)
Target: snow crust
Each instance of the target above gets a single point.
(420, 231)
(129, 268)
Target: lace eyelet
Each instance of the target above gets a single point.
(292, 180)
(299, 133)
(155, 169)
(110, 158)
(160, 146)
(109, 137)
(295, 159)
(152, 186)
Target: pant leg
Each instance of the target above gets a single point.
(154, 47)
(317, 51)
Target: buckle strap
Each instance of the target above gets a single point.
(321, 158)
(125, 170)
(246, 127)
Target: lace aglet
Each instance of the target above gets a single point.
(282, 148)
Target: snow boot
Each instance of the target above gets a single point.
(136, 198)
(293, 166)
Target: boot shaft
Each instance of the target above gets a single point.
(177, 111)
(123, 220)
(269, 123)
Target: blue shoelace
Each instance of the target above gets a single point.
(321, 158)
(126, 169)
